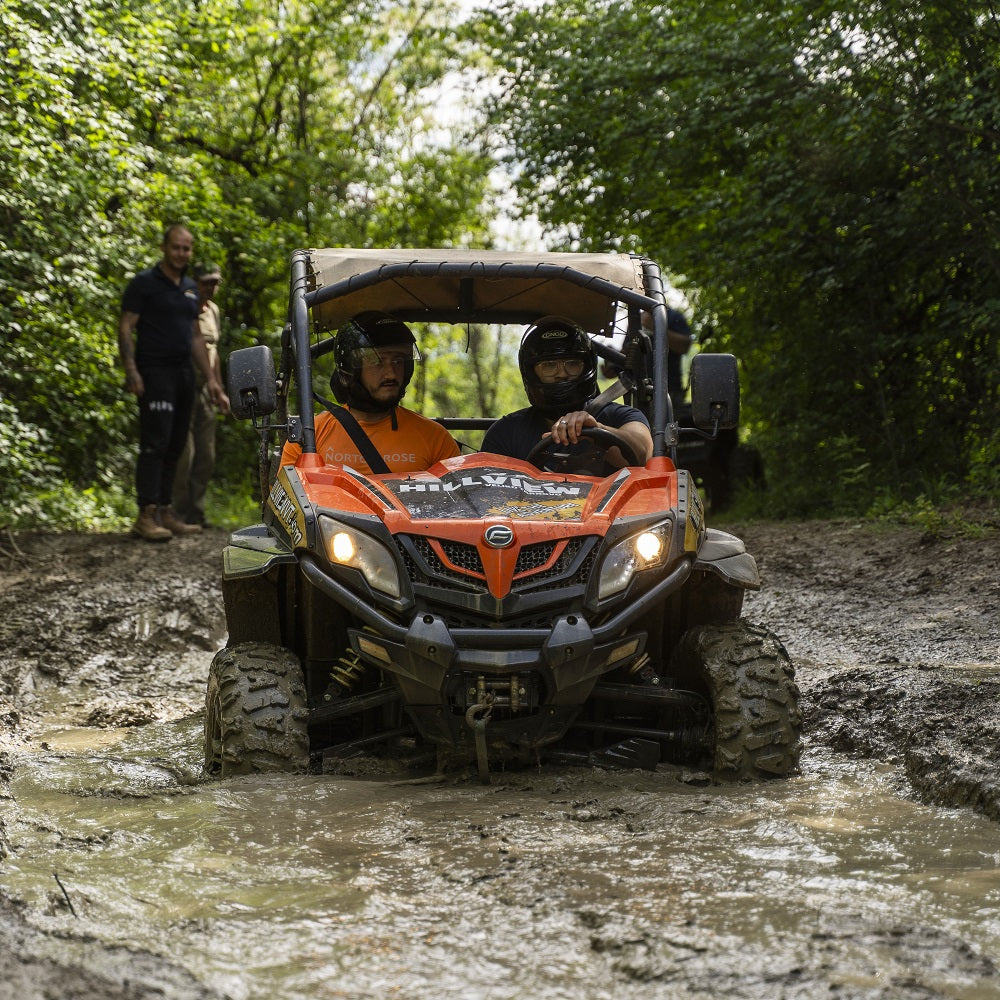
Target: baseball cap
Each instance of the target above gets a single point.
(206, 271)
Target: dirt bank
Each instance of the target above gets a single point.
(895, 636)
(896, 639)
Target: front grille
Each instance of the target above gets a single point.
(533, 557)
(557, 573)
(465, 557)
(433, 570)
(457, 589)
(467, 618)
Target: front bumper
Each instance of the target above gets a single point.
(537, 678)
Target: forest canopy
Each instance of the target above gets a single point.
(262, 127)
(820, 179)
(823, 180)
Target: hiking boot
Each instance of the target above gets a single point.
(148, 527)
(174, 524)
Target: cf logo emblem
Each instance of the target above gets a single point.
(499, 536)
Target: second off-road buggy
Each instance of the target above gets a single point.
(723, 466)
(487, 610)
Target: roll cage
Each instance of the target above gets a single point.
(600, 292)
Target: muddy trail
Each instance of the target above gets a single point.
(875, 873)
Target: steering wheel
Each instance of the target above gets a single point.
(588, 461)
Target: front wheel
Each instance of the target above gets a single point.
(755, 701)
(255, 711)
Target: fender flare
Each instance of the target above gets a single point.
(726, 556)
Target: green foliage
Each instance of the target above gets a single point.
(823, 182)
(233, 505)
(63, 507)
(467, 371)
(262, 127)
(941, 514)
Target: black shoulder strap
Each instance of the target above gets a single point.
(357, 434)
(616, 390)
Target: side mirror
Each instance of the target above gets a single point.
(251, 382)
(715, 391)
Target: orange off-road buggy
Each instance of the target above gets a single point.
(487, 610)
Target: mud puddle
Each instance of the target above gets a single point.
(873, 875)
(562, 883)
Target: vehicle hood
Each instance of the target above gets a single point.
(488, 492)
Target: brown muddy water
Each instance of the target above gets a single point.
(557, 883)
(873, 874)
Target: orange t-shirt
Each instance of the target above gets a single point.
(416, 444)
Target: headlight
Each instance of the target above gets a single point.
(645, 549)
(346, 546)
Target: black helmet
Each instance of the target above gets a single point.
(367, 331)
(550, 338)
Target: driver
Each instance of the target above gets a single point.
(559, 370)
(373, 356)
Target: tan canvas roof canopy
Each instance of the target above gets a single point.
(469, 285)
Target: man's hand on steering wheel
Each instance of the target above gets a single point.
(570, 430)
(566, 430)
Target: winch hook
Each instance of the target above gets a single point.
(476, 718)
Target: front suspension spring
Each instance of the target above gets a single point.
(347, 671)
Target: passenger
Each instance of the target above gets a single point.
(559, 370)
(679, 341)
(374, 355)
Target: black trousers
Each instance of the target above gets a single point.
(164, 420)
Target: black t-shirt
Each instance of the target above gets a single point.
(517, 433)
(167, 313)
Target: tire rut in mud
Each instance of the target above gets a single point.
(939, 725)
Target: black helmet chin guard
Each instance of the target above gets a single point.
(368, 331)
(554, 337)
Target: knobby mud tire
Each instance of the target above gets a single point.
(255, 712)
(755, 701)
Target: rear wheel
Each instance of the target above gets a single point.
(255, 711)
(755, 702)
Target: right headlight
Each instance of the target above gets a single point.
(646, 549)
(346, 546)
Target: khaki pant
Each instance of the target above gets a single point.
(197, 461)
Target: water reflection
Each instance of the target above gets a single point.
(556, 884)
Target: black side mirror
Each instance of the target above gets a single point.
(715, 391)
(251, 382)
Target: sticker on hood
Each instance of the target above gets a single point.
(490, 493)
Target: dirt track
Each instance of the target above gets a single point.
(895, 637)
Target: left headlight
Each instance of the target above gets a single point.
(346, 546)
(646, 549)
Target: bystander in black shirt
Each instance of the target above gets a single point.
(166, 316)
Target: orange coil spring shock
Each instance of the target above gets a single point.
(639, 664)
(347, 671)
